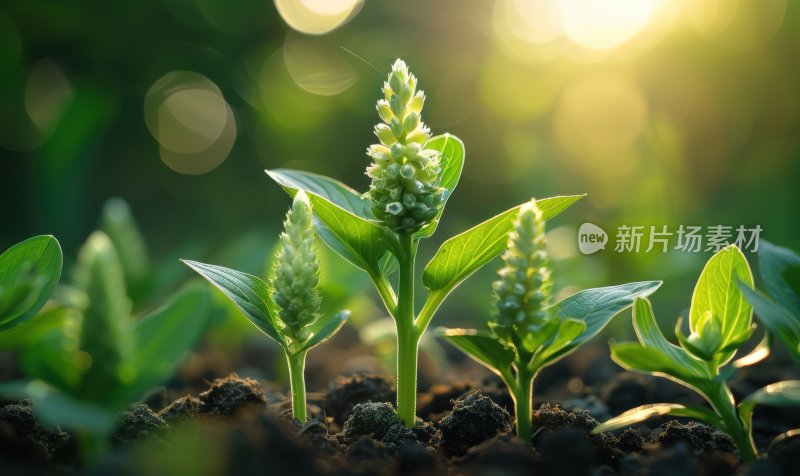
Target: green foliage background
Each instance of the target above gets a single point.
(714, 140)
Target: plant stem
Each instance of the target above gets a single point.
(297, 365)
(722, 401)
(407, 336)
(523, 406)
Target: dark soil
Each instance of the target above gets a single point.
(234, 426)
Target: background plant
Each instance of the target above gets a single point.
(781, 314)
(29, 271)
(720, 322)
(412, 175)
(286, 308)
(527, 332)
(86, 363)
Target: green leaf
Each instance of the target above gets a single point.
(595, 308)
(332, 190)
(773, 261)
(452, 163)
(106, 321)
(340, 221)
(777, 319)
(324, 329)
(54, 407)
(568, 331)
(781, 394)
(118, 223)
(165, 336)
(645, 412)
(250, 294)
(29, 272)
(635, 357)
(463, 254)
(481, 346)
(717, 292)
(646, 328)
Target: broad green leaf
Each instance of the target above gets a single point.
(118, 223)
(452, 163)
(54, 407)
(250, 294)
(325, 328)
(717, 292)
(463, 254)
(646, 328)
(481, 346)
(777, 319)
(635, 357)
(29, 272)
(166, 335)
(645, 412)
(338, 220)
(596, 307)
(773, 261)
(568, 331)
(781, 394)
(330, 189)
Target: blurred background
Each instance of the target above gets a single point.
(666, 112)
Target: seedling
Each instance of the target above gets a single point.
(720, 322)
(286, 309)
(527, 333)
(29, 272)
(97, 359)
(780, 316)
(413, 175)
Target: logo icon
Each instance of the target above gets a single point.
(591, 238)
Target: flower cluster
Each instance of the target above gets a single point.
(295, 275)
(523, 291)
(405, 191)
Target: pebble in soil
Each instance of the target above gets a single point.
(24, 439)
(380, 422)
(139, 423)
(473, 420)
(344, 393)
(232, 395)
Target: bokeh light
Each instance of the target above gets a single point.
(193, 124)
(317, 17)
(318, 67)
(604, 24)
(47, 93)
(737, 24)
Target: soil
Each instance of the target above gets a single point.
(239, 425)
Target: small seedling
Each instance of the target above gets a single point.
(286, 309)
(527, 333)
(780, 316)
(720, 323)
(96, 359)
(413, 175)
(29, 271)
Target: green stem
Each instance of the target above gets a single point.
(386, 293)
(407, 336)
(523, 406)
(297, 365)
(722, 401)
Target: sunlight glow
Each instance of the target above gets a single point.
(317, 17)
(605, 24)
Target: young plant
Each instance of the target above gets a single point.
(29, 271)
(780, 316)
(286, 309)
(96, 359)
(720, 322)
(413, 175)
(528, 333)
